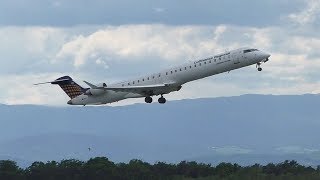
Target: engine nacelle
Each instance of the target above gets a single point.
(101, 85)
(96, 91)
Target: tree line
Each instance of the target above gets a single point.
(101, 168)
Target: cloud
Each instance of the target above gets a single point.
(296, 150)
(115, 12)
(159, 10)
(230, 150)
(101, 62)
(22, 49)
(32, 40)
(20, 90)
(56, 4)
(218, 32)
(112, 53)
(307, 15)
(138, 42)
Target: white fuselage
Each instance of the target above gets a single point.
(178, 75)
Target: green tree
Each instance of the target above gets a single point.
(40, 170)
(137, 169)
(10, 171)
(99, 168)
(193, 169)
(162, 169)
(70, 169)
(226, 169)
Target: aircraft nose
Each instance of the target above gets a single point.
(265, 56)
(69, 102)
(268, 55)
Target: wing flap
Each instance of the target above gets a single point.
(144, 90)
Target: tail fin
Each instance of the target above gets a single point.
(71, 88)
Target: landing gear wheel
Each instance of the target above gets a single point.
(162, 100)
(259, 69)
(148, 99)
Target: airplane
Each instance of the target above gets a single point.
(160, 83)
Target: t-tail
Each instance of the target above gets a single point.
(67, 84)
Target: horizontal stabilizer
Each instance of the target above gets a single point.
(91, 85)
(54, 82)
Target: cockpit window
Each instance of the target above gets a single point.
(249, 50)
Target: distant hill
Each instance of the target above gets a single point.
(246, 129)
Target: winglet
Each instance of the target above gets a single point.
(91, 85)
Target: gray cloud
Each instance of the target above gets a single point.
(112, 53)
(108, 53)
(116, 12)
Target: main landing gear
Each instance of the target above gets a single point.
(161, 100)
(148, 99)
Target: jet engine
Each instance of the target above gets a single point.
(97, 91)
(101, 85)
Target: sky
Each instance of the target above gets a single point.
(112, 40)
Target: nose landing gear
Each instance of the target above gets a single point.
(259, 66)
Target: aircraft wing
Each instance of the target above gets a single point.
(144, 90)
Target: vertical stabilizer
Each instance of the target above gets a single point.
(71, 88)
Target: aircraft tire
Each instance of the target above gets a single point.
(162, 100)
(148, 99)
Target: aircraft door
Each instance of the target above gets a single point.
(159, 78)
(236, 57)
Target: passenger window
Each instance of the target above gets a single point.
(159, 75)
(180, 69)
(143, 79)
(210, 61)
(166, 73)
(195, 65)
(205, 62)
(148, 78)
(190, 67)
(133, 82)
(199, 64)
(175, 70)
(185, 68)
(128, 84)
(171, 72)
(122, 85)
(138, 81)
(152, 77)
